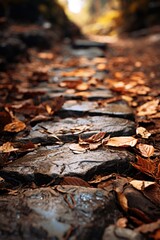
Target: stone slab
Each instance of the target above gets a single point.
(84, 43)
(53, 162)
(64, 212)
(90, 95)
(88, 53)
(68, 129)
(112, 109)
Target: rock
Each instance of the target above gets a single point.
(69, 129)
(54, 213)
(11, 48)
(89, 53)
(36, 38)
(90, 95)
(92, 108)
(48, 163)
(83, 43)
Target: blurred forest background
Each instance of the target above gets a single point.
(114, 16)
(95, 16)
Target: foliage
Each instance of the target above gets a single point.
(122, 15)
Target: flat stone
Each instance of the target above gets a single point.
(90, 95)
(88, 53)
(83, 43)
(53, 213)
(53, 162)
(69, 129)
(112, 109)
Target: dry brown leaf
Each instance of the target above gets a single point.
(148, 166)
(145, 149)
(101, 67)
(122, 222)
(75, 181)
(76, 148)
(122, 142)
(141, 185)
(70, 83)
(82, 87)
(94, 146)
(15, 126)
(49, 109)
(148, 108)
(122, 200)
(99, 179)
(46, 55)
(156, 115)
(7, 147)
(93, 139)
(143, 132)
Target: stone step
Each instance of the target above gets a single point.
(73, 107)
(69, 129)
(52, 162)
(53, 213)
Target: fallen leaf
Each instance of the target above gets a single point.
(94, 146)
(15, 126)
(26, 147)
(70, 83)
(122, 200)
(148, 166)
(148, 108)
(99, 179)
(145, 149)
(49, 110)
(141, 185)
(75, 181)
(122, 222)
(76, 148)
(82, 87)
(143, 132)
(93, 139)
(156, 115)
(122, 142)
(7, 147)
(46, 55)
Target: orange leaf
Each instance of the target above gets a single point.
(147, 166)
(122, 142)
(145, 149)
(15, 126)
(7, 147)
(148, 108)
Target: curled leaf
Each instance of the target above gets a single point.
(7, 147)
(143, 132)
